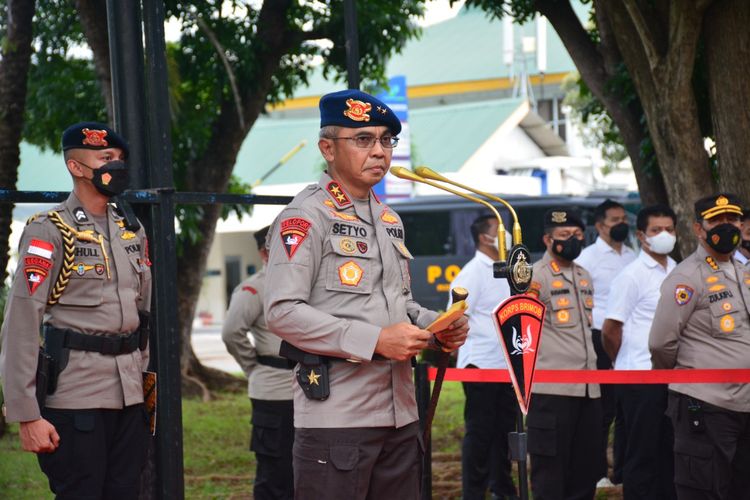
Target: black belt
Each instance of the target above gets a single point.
(274, 362)
(104, 344)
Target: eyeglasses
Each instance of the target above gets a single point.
(368, 141)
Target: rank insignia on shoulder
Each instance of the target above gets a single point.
(338, 194)
(80, 214)
(350, 274)
(554, 266)
(388, 217)
(712, 263)
(293, 233)
(683, 294)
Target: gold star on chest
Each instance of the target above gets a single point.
(313, 377)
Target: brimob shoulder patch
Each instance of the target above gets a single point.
(293, 232)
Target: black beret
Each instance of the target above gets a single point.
(92, 135)
(260, 237)
(719, 203)
(356, 109)
(562, 217)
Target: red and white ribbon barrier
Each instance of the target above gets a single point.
(703, 376)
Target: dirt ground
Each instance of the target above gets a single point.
(446, 479)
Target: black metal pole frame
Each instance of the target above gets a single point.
(352, 44)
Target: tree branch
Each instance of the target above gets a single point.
(645, 33)
(227, 67)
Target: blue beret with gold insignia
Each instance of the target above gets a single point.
(356, 109)
(92, 135)
(720, 203)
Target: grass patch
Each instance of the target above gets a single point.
(216, 438)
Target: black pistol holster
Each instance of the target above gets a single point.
(53, 358)
(312, 372)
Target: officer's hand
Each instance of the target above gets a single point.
(402, 341)
(39, 436)
(454, 336)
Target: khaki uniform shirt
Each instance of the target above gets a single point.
(92, 303)
(338, 272)
(702, 322)
(565, 343)
(245, 315)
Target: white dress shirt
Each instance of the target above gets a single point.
(740, 257)
(482, 346)
(603, 263)
(633, 302)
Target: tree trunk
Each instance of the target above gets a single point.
(93, 15)
(14, 72)
(597, 65)
(660, 54)
(727, 49)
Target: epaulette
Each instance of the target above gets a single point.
(34, 217)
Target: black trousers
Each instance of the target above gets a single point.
(377, 463)
(611, 413)
(489, 415)
(272, 440)
(562, 446)
(648, 472)
(711, 461)
(101, 453)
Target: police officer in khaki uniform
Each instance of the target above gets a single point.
(563, 418)
(83, 274)
(702, 321)
(269, 383)
(338, 285)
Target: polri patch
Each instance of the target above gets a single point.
(350, 274)
(683, 294)
(293, 233)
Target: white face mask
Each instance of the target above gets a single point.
(508, 241)
(662, 243)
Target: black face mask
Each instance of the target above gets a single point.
(110, 179)
(746, 244)
(723, 238)
(619, 232)
(567, 249)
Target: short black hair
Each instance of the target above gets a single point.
(260, 237)
(658, 210)
(600, 212)
(480, 226)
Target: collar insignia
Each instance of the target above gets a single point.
(712, 263)
(95, 138)
(357, 110)
(338, 194)
(80, 214)
(555, 266)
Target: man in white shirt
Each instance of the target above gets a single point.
(490, 409)
(648, 467)
(742, 254)
(603, 260)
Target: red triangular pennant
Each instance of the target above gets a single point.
(519, 322)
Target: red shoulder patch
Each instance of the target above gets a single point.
(250, 289)
(293, 233)
(36, 270)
